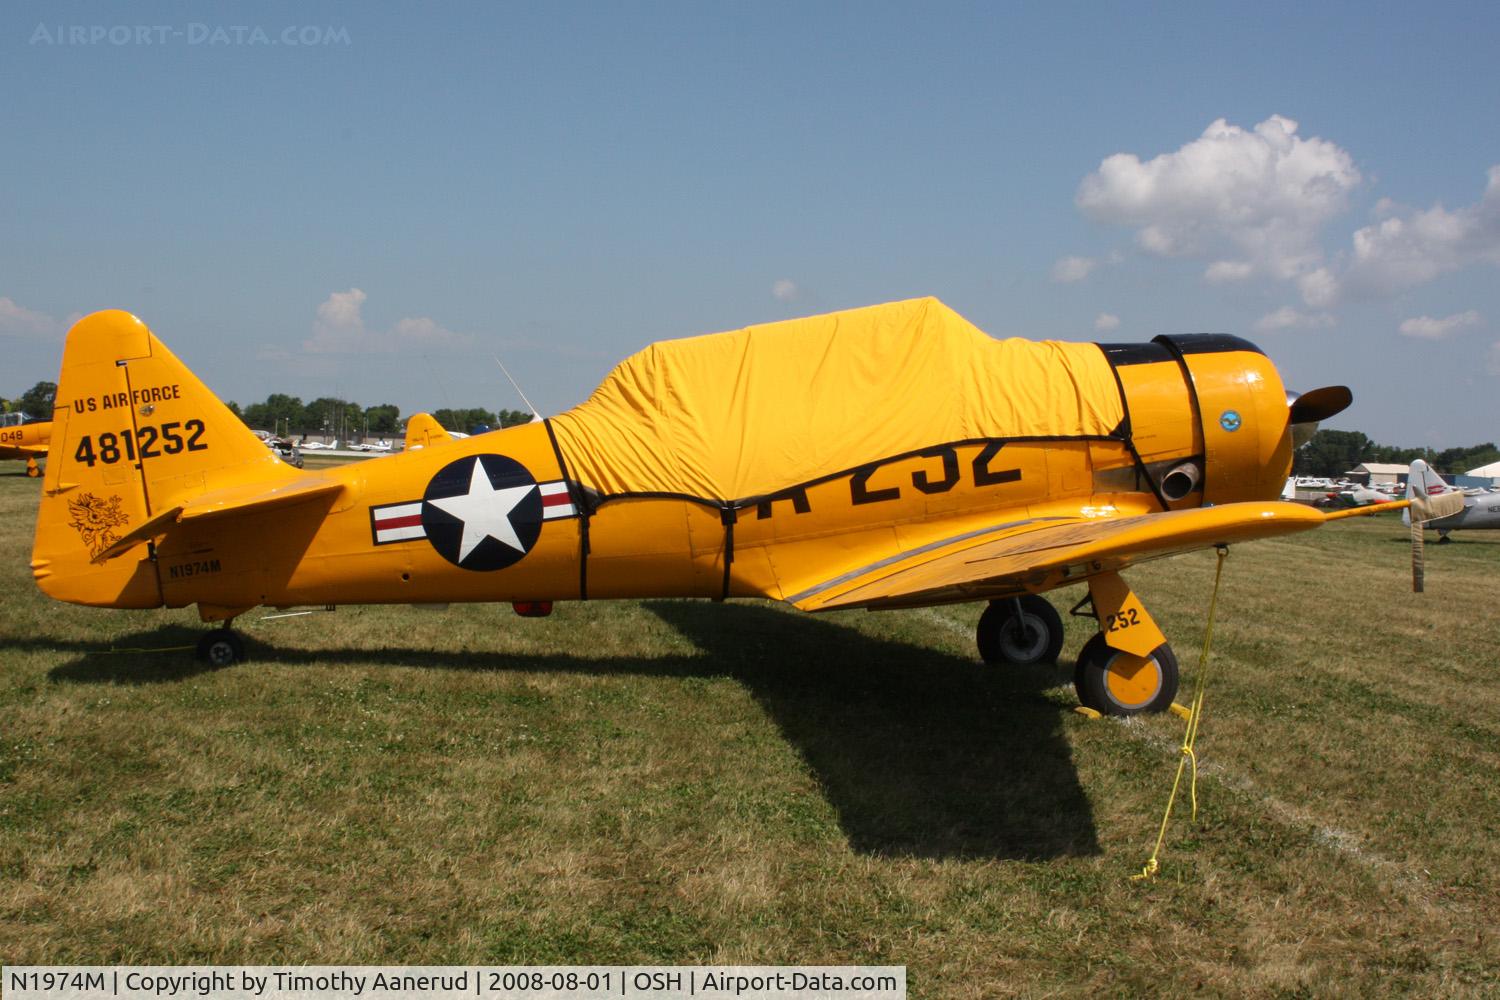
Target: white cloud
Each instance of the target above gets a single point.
(1229, 270)
(1105, 322)
(421, 330)
(1250, 202)
(1320, 288)
(340, 329)
(341, 310)
(1288, 318)
(18, 321)
(785, 289)
(1407, 247)
(1070, 269)
(1427, 328)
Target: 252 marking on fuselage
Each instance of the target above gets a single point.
(924, 481)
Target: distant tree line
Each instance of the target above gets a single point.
(325, 415)
(344, 418)
(1332, 453)
(1329, 453)
(35, 402)
(472, 419)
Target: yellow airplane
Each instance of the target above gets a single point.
(423, 431)
(19, 439)
(886, 457)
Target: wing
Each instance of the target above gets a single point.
(1039, 554)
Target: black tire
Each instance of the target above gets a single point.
(33, 470)
(1103, 686)
(221, 648)
(1031, 638)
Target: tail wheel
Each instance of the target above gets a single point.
(221, 647)
(33, 470)
(1118, 683)
(1020, 632)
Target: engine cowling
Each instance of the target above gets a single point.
(1241, 411)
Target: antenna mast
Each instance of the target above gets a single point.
(535, 416)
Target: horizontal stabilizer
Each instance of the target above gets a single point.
(219, 503)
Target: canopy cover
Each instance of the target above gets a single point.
(732, 416)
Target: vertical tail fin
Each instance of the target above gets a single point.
(423, 431)
(1422, 484)
(134, 434)
(1430, 499)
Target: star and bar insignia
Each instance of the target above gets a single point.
(480, 512)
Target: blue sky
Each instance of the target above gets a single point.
(377, 211)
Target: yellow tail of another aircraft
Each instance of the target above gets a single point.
(423, 431)
(135, 435)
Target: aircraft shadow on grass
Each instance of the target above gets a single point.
(920, 753)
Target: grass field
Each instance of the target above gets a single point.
(664, 782)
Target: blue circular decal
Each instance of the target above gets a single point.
(1230, 420)
(482, 512)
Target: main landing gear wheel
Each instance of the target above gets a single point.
(1113, 682)
(1020, 632)
(221, 647)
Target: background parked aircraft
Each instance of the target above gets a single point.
(19, 439)
(1480, 510)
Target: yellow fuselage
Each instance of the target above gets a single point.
(26, 441)
(1206, 423)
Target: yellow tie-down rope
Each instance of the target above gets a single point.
(1190, 734)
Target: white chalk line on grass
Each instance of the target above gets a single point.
(944, 622)
(1340, 841)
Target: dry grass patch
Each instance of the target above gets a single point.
(668, 781)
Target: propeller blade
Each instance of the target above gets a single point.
(1320, 404)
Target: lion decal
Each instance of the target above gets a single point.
(95, 519)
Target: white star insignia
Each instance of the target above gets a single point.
(485, 512)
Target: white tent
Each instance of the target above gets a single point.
(1491, 471)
